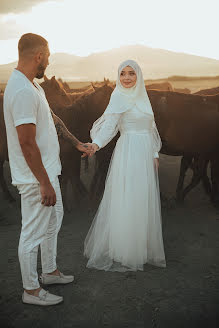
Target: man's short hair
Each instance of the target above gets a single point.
(29, 43)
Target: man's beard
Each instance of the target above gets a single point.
(41, 71)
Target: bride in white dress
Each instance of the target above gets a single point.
(126, 232)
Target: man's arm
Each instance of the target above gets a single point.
(64, 133)
(26, 136)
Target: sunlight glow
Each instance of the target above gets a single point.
(87, 26)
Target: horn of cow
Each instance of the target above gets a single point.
(45, 78)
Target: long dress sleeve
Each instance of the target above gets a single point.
(157, 144)
(105, 129)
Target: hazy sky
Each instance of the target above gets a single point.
(84, 26)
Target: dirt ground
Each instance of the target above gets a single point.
(184, 294)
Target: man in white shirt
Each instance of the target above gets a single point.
(33, 149)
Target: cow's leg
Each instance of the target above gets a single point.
(215, 181)
(73, 188)
(99, 178)
(198, 172)
(74, 193)
(186, 162)
(3, 184)
(64, 189)
(205, 180)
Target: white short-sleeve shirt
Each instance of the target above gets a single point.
(25, 103)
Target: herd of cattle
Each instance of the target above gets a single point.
(188, 125)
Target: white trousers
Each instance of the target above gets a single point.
(40, 226)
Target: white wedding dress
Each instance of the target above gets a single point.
(126, 232)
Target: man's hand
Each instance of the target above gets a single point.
(48, 194)
(156, 163)
(85, 148)
(92, 149)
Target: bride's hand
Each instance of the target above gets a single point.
(95, 147)
(92, 150)
(156, 163)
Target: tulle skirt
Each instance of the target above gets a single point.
(126, 232)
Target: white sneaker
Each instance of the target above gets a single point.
(49, 279)
(44, 298)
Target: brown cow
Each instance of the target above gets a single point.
(56, 94)
(172, 108)
(57, 97)
(3, 152)
(188, 126)
(79, 118)
(176, 115)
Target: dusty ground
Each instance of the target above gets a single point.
(185, 294)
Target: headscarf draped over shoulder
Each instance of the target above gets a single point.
(123, 99)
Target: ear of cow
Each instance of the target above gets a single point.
(45, 78)
(94, 87)
(55, 82)
(106, 81)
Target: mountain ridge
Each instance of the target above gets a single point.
(155, 63)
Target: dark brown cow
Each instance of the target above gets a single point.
(176, 115)
(71, 159)
(3, 152)
(56, 94)
(79, 118)
(188, 127)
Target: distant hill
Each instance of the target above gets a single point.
(155, 63)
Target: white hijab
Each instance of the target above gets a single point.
(123, 99)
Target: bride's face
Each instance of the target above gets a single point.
(128, 77)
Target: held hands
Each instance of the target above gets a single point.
(88, 149)
(85, 148)
(95, 147)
